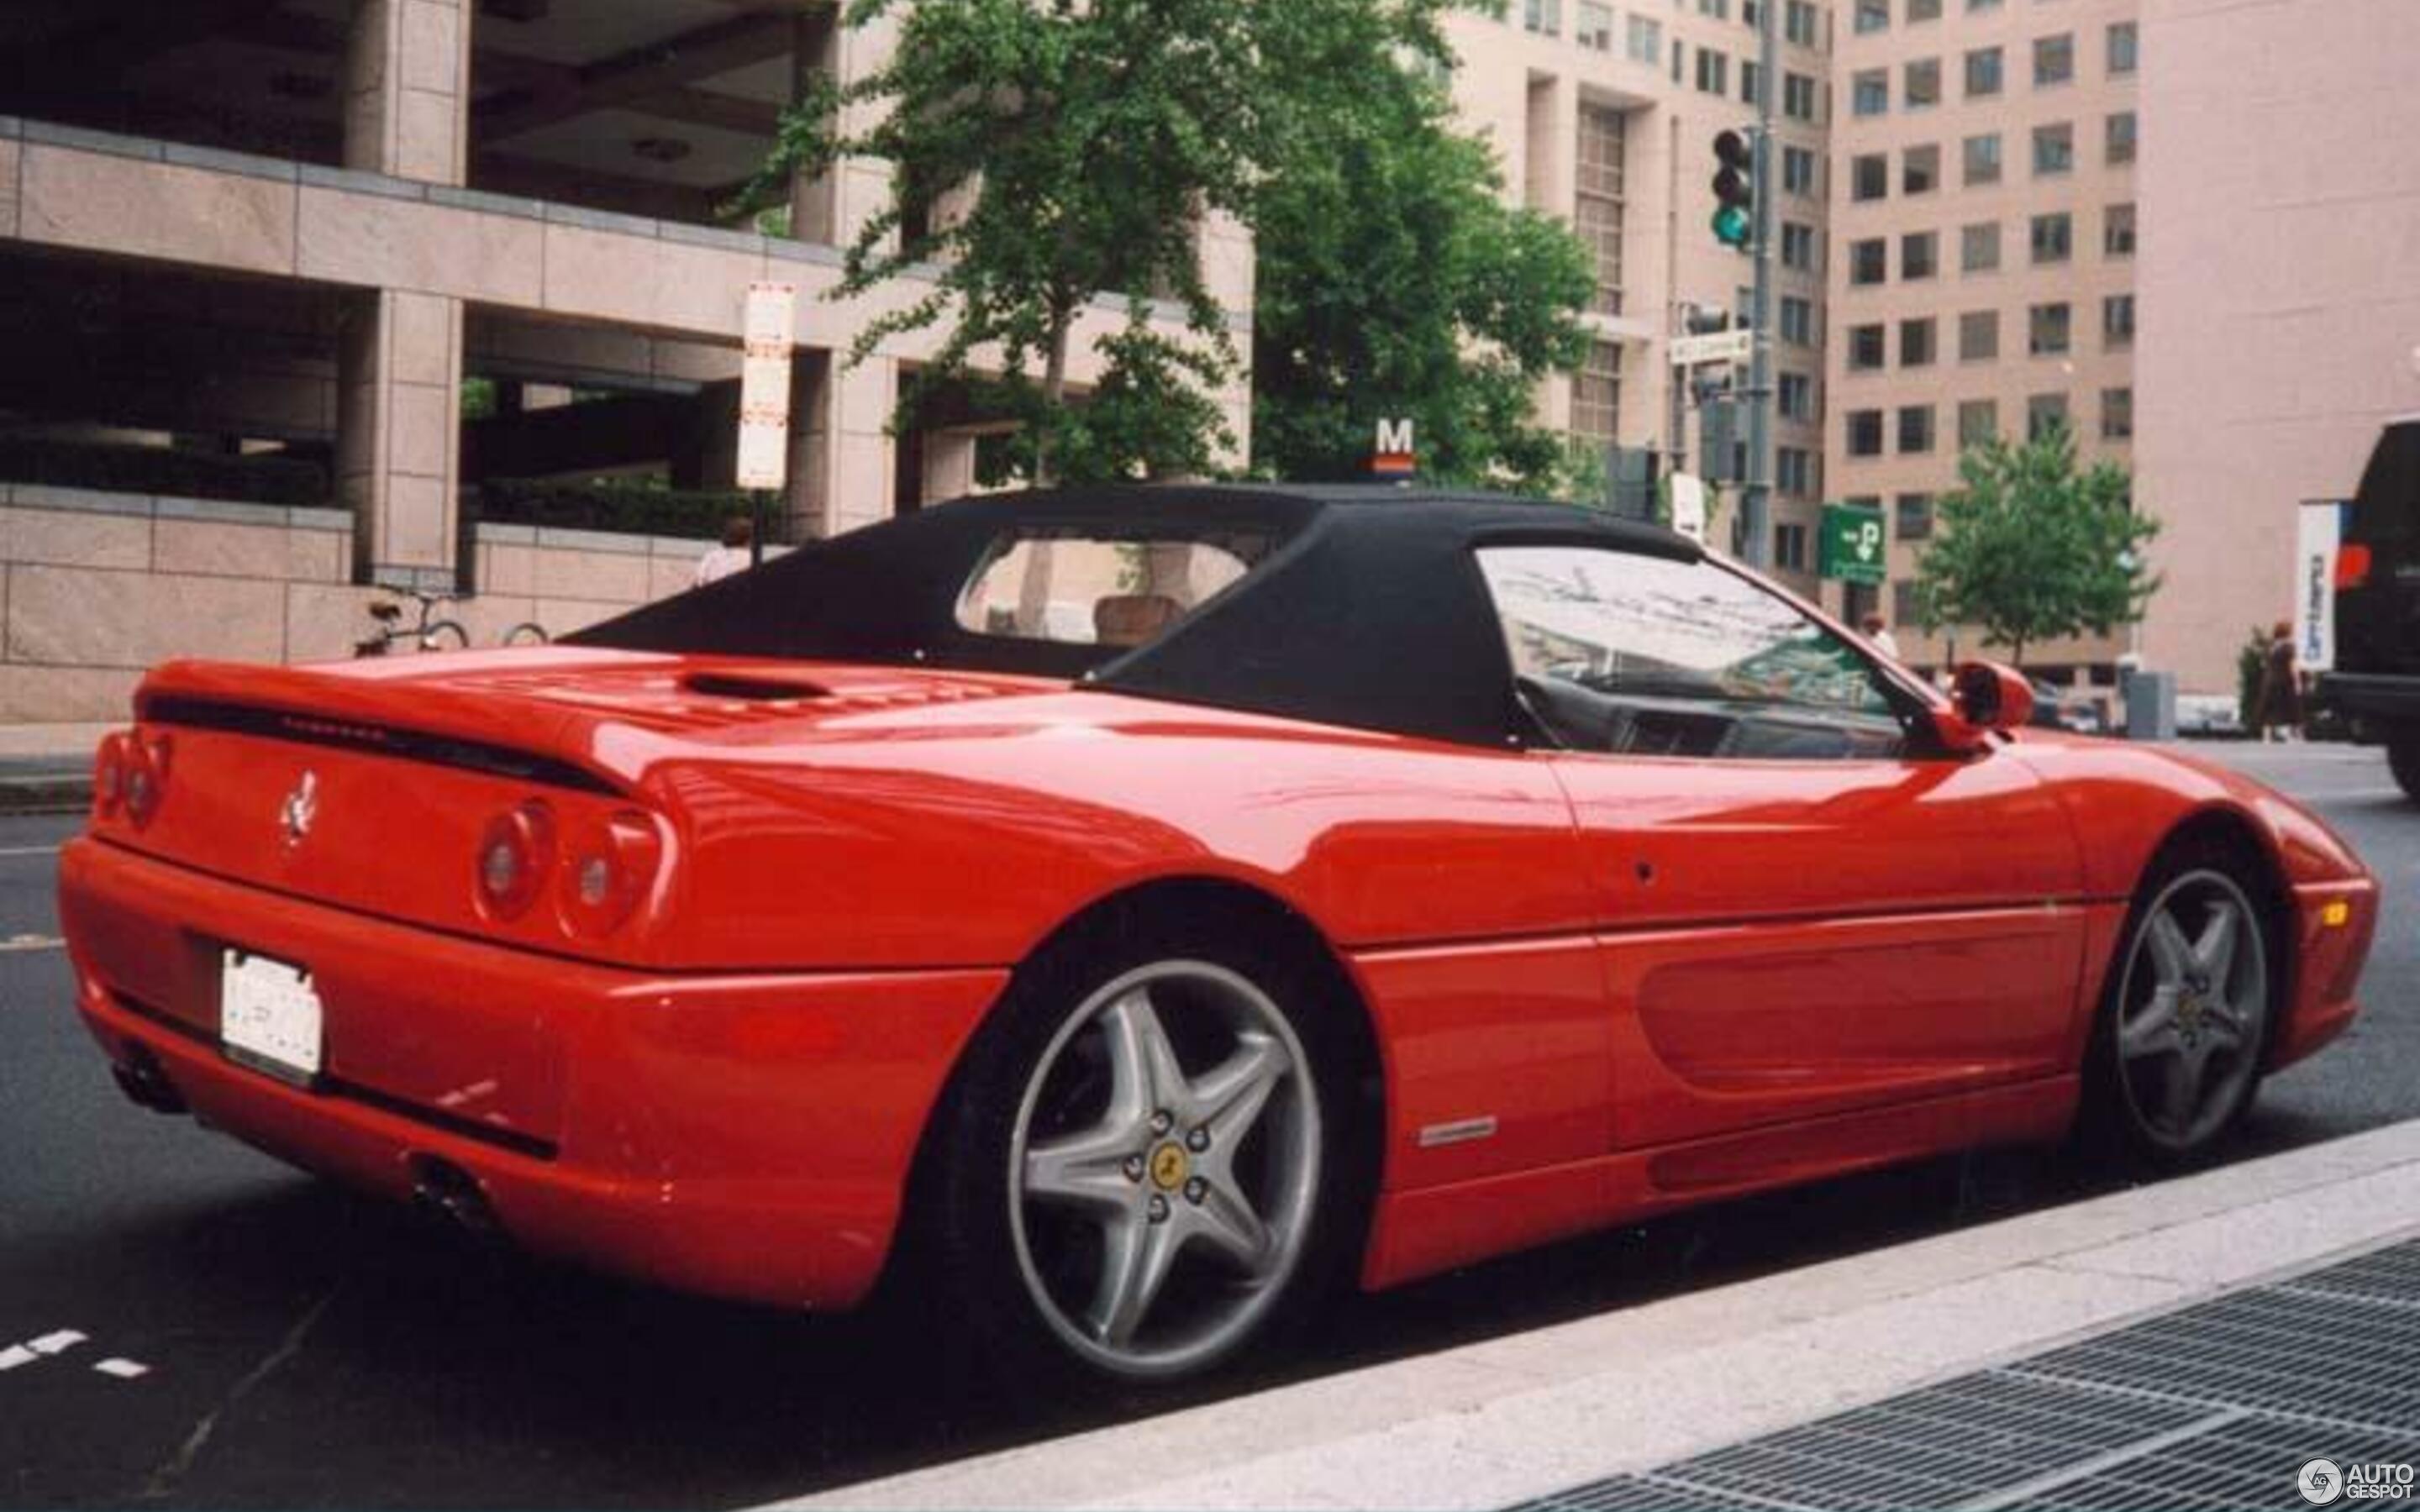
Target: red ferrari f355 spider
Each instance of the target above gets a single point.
(1143, 907)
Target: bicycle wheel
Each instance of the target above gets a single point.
(527, 633)
(444, 634)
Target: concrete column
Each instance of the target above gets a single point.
(399, 441)
(406, 89)
(949, 465)
(815, 52)
(841, 463)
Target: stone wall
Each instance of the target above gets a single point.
(95, 587)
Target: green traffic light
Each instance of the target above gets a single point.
(1731, 226)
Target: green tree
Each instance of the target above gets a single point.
(1045, 152)
(2029, 548)
(1394, 281)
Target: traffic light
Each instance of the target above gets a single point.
(1734, 189)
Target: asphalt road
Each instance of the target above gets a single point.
(304, 1347)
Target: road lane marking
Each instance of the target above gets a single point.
(122, 1369)
(28, 849)
(59, 1343)
(31, 942)
(15, 1355)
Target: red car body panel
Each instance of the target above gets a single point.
(1586, 954)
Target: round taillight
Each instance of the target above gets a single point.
(145, 778)
(610, 866)
(109, 774)
(515, 851)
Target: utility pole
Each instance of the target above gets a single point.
(1755, 496)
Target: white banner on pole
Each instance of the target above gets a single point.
(2319, 532)
(1689, 507)
(765, 386)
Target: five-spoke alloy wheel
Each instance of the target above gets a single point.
(1146, 1162)
(2188, 1025)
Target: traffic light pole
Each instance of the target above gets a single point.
(1756, 494)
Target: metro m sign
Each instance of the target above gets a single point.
(1392, 457)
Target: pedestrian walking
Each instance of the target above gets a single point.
(721, 562)
(1878, 635)
(2279, 708)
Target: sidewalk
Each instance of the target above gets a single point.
(47, 768)
(1937, 1355)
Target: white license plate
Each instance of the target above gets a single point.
(269, 1016)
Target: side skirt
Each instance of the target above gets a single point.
(1420, 1233)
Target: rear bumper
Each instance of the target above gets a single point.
(2334, 925)
(2380, 697)
(746, 1136)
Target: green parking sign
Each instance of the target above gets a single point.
(1851, 546)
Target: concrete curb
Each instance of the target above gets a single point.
(45, 792)
(1498, 1422)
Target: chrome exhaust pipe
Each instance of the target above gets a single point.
(448, 1192)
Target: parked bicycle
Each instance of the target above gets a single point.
(428, 633)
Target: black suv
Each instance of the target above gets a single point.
(2376, 684)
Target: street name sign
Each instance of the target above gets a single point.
(1719, 346)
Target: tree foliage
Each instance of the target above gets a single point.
(1394, 281)
(2029, 548)
(1044, 152)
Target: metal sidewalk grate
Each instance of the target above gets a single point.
(2215, 1406)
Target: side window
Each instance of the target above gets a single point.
(1626, 653)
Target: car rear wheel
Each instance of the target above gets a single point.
(1140, 1164)
(2186, 1019)
(2403, 760)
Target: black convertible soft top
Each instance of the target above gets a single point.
(1371, 613)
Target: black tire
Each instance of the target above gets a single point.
(2403, 760)
(444, 634)
(2117, 1121)
(527, 633)
(972, 1226)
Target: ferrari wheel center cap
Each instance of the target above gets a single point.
(1169, 1167)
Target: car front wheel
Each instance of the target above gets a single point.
(1139, 1168)
(2182, 1032)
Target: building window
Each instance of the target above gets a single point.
(1978, 421)
(1596, 393)
(1868, 261)
(1915, 341)
(1795, 396)
(1793, 469)
(1798, 246)
(1923, 86)
(1595, 29)
(2116, 414)
(1643, 39)
(1713, 71)
(2054, 59)
(1866, 348)
(2117, 322)
(1915, 429)
(1790, 544)
(1798, 97)
(1678, 50)
(1597, 209)
(2121, 137)
(2053, 237)
(1975, 5)
(2054, 149)
(1912, 517)
(1919, 255)
(1798, 172)
(1920, 170)
(1872, 16)
(1923, 10)
(1982, 159)
(2044, 413)
(1903, 602)
(2124, 45)
(1979, 336)
(1544, 17)
(1869, 176)
(1869, 92)
(1750, 81)
(1797, 320)
(1983, 73)
(1719, 10)
(1978, 247)
(2118, 231)
(2047, 332)
(1801, 24)
(1865, 433)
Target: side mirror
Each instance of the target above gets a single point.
(1986, 699)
